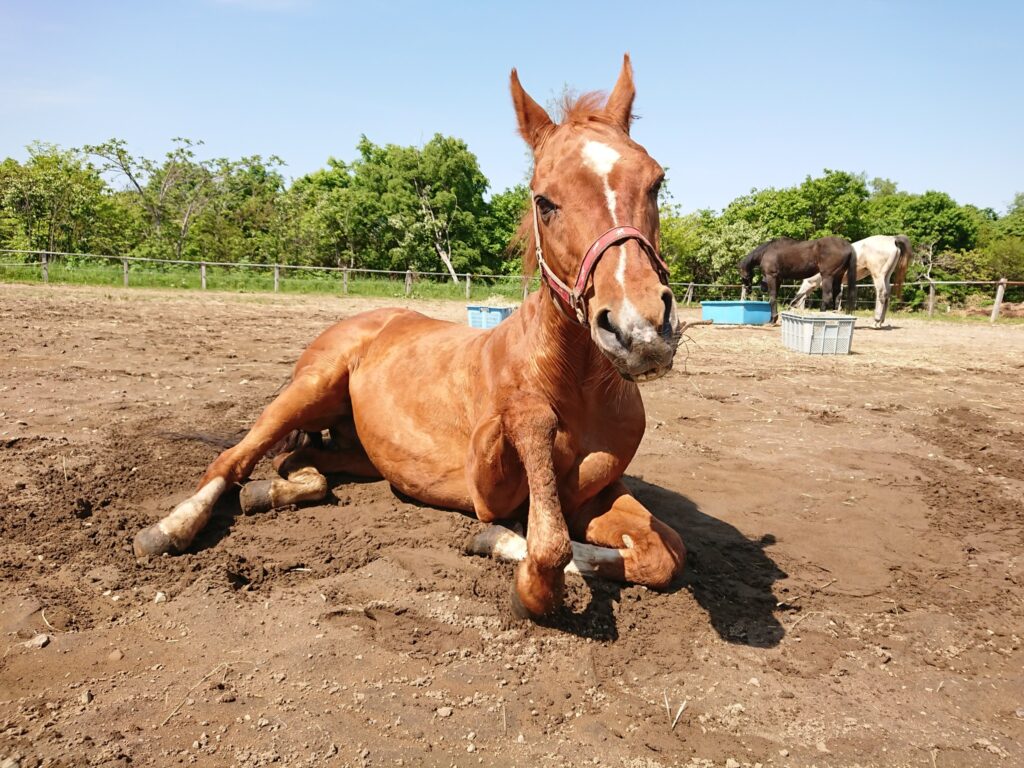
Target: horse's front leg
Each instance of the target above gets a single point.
(772, 283)
(524, 435)
(800, 300)
(626, 543)
(650, 552)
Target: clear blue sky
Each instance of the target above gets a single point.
(732, 95)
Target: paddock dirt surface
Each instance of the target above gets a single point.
(853, 594)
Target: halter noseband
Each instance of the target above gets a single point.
(573, 297)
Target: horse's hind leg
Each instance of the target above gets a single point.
(302, 476)
(882, 290)
(310, 398)
(829, 292)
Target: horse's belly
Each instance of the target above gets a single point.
(410, 398)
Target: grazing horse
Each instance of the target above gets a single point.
(880, 256)
(534, 421)
(829, 257)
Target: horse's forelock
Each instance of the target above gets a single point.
(575, 110)
(585, 108)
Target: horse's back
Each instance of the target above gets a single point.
(349, 337)
(355, 334)
(876, 254)
(881, 243)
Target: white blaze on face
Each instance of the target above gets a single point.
(600, 158)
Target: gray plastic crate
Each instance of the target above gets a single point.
(817, 334)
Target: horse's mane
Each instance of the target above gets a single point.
(581, 110)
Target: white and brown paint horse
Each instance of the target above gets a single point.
(880, 256)
(535, 420)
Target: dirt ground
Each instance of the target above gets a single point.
(854, 593)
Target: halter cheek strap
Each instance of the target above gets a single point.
(573, 297)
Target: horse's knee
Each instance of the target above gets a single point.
(659, 560)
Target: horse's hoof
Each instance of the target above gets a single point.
(153, 542)
(255, 497)
(520, 611)
(541, 598)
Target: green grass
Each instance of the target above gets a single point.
(249, 280)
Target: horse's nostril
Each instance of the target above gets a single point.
(669, 300)
(604, 322)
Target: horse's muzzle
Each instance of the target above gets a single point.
(639, 352)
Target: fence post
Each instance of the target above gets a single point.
(202, 275)
(931, 298)
(467, 287)
(689, 294)
(277, 278)
(526, 287)
(46, 269)
(1000, 292)
(743, 293)
(408, 282)
(124, 270)
(344, 281)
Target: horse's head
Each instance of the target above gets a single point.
(746, 277)
(595, 214)
(746, 267)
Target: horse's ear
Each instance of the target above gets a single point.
(620, 103)
(533, 120)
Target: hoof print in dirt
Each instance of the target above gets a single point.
(83, 508)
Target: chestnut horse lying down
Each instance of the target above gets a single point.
(537, 418)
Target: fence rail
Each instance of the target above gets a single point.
(686, 292)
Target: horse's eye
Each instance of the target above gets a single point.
(656, 187)
(546, 207)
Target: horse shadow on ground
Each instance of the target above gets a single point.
(729, 575)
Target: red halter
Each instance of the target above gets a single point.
(573, 297)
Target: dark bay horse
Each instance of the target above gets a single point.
(784, 257)
(533, 421)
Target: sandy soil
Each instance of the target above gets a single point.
(853, 596)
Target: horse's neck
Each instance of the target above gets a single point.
(565, 362)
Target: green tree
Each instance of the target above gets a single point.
(932, 219)
(52, 201)
(701, 247)
(500, 227)
(832, 204)
(171, 194)
(238, 224)
(401, 208)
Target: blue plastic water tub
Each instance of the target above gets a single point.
(736, 312)
(487, 317)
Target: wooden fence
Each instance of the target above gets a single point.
(687, 293)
